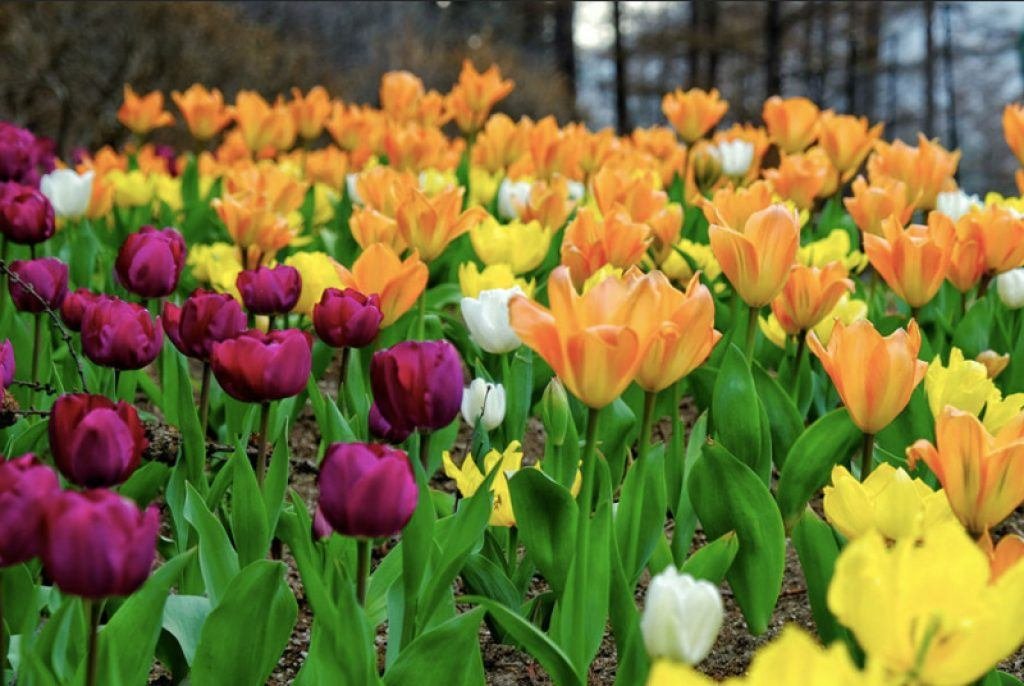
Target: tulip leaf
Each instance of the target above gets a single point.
(633, 663)
(729, 496)
(217, 559)
(784, 419)
(417, 546)
(684, 517)
(183, 618)
(248, 515)
(735, 417)
(145, 484)
(618, 430)
(245, 634)
(193, 443)
(825, 443)
(640, 517)
(817, 549)
(712, 561)
(519, 387)
(546, 515)
(972, 333)
(443, 656)
(276, 482)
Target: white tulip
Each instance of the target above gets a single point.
(512, 197)
(486, 317)
(576, 190)
(485, 401)
(737, 155)
(1010, 286)
(955, 204)
(68, 191)
(352, 189)
(682, 617)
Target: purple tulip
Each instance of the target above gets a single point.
(48, 276)
(258, 367)
(120, 334)
(384, 430)
(321, 527)
(417, 384)
(73, 308)
(95, 442)
(150, 261)
(24, 157)
(26, 488)
(6, 366)
(205, 318)
(347, 319)
(26, 216)
(169, 156)
(268, 290)
(99, 544)
(366, 489)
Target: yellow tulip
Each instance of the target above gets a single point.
(472, 280)
(522, 246)
(962, 383)
(999, 410)
(678, 269)
(833, 247)
(483, 185)
(319, 272)
(131, 189)
(846, 311)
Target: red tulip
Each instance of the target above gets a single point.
(47, 276)
(26, 216)
(150, 261)
(366, 489)
(417, 384)
(120, 334)
(26, 487)
(95, 442)
(203, 320)
(73, 308)
(268, 290)
(347, 319)
(257, 367)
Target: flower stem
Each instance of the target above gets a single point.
(751, 331)
(93, 608)
(37, 345)
(261, 451)
(421, 322)
(342, 378)
(589, 467)
(424, 450)
(513, 549)
(204, 398)
(362, 568)
(867, 455)
(650, 399)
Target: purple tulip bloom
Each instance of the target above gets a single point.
(73, 308)
(347, 319)
(95, 442)
(205, 318)
(257, 367)
(150, 261)
(417, 384)
(268, 290)
(366, 489)
(48, 277)
(26, 216)
(26, 488)
(120, 334)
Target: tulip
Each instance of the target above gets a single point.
(914, 260)
(756, 257)
(1010, 287)
(871, 204)
(473, 96)
(26, 216)
(521, 246)
(380, 270)
(310, 112)
(487, 320)
(484, 401)
(99, 544)
(258, 231)
(737, 156)
(592, 241)
(48, 279)
(1005, 555)
(617, 189)
(732, 206)
(926, 170)
(204, 320)
(694, 112)
(68, 191)
(999, 232)
(369, 227)
(550, 203)
(150, 261)
(203, 111)
(120, 334)
(995, 364)
(143, 113)
(6, 366)
(473, 281)
(1013, 129)
(513, 196)
(384, 430)
(318, 271)
(964, 384)
(955, 204)
(809, 295)
(256, 367)
(347, 319)
(23, 156)
(95, 442)
(268, 290)
(835, 247)
(366, 490)
(26, 489)
(799, 178)
(430, 224)
(847, 140)
(682, 617)
(792, 123)
(967, 259)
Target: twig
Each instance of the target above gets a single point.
(36, 386)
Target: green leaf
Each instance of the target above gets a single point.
(248, 516)
(184, 616)
(618, 430)
(546, 514)
(712, 561)
(248, 630)
(193, 443)
(729, 496)
(824, 444)
(784, 419)
(816, 546)
(735, 417)
(443, 656)
(145, 484)
(217, 559)
(276, 483)
(640, 517)
(520, 388)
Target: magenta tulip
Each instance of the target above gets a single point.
(384, 430)
(73, 308)
(267, 290)
(347, 319)
(258, 367)
(95, 442)
(120, 334)
(47, 276)
(26, 488)
(150, 261)
(366, 489)
(26, 216)
(6, 366)
(417, 384)
(24, 157)
(205, 319)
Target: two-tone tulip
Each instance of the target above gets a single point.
(757, 256)
(999, 232)
(871, 204)
(913, 260)
(398, 282)
(847, 140)
(809, 295)
(792, 123)
(694, 112)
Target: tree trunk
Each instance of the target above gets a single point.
(773, 46)
(947, 68)
(710, 33)
(929, 68)
(852, 56)
(565, 50)
(621, 106)
(693, 55)
(872, 31)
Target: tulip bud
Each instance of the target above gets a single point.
(120, 334)
(737, 155)
(205, 319)
(257, 367)
(47, 276)
(352, 188)
(270, 291)
(366, 489)
(682, 617)
(513, 196)
(26, 487)
(484, 401)
(26, 216)
(23, 155)
(99, 544)
(955, 204)
(418, 384)
(347, 319)
(486, 317)
(384, 430)
(994, 362)
(707, 164)
(73, 308)
(68, 191)
(554, 411)
(6, 366)
(150, 261)
(1010, 286)
(95, 442)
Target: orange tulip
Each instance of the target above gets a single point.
(328, 166)
(552, 151)
(382, 188)
(732, 206)
(994, 363)
(414, 148)
(665, 151)
(590, 242)
(1005, 555)
(914, 260)
(501, 142)
(356, 128)
(368, 227)
(870, 204)
(967, 260)
(259, 122)
(982, 474)
(594, 342)
(684, 332)
(203, 110)
(549, 204)
(310, 112)
(792, 123)
(757, 257)
(267, 186)
(400, 93)
(927, 169)
(258, 232)
(1013, 129)
(847, 140)
(643, 202)
(809, 296)
(398, 282)
(428, 224)
(874, 375)
(799, 178)
(1000, 234)
(143, 113)
(694, 112)
(471, 99)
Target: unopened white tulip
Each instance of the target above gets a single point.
(485, 401)
(682, 617)
(68, 191)
(1010, 286)
(576, 190)
(737, 155)
(486, 317)
(512, 198)
(352, 189)
(955, 204)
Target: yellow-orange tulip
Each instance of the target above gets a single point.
(967, 260)
(870, 204)
(475, 93)
(799, 178)
(203, 110)
(501, 142)
(982, 474)
(551, 152)
(809, 296)
(643, 202)
(847, 140)
(398, 282)
(914, 260)
(926, 169)
(591, 242)
(874, 375)
(549, 204)
(327, 165)
(792, 123)
(269, 186)
(400, 93)
(356, 128)
(258, 232)
(1005, 555)
(757, 257)
(1013, 129)
(428, 224)
(143, 113)
(261, 124)
(994, 362)
(591, 341)
(416, 148)
(381, 188)
(310, 112)
(703, 171)
(684, 332)
(694, 112)
(664, 151)
(999, 232)
(370, 227)
(732, 206)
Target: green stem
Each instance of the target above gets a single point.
(204, 398)
(801, 349)
(650, 399)
(425, 451)
(342, 377)
(37, 346)
(117, 382)
(513, 549)
(421, 321)
(751, 331)
(586, 501)
(93, 608)
(867, 456)
(362, 568)
(983, 285)
(261, 451)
